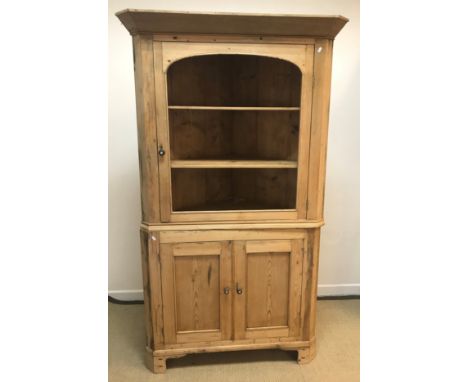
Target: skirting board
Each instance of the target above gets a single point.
(323, 290)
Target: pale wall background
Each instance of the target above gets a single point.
(339, 259)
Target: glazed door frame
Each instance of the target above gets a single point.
(166, 53)
(270, 287)
(192, 286)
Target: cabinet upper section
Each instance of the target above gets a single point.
(145, 21)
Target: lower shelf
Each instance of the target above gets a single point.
(233, 189)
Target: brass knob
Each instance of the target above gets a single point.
(161, 151)
(238, 290)
(226, 290)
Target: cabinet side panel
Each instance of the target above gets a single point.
(309, 286)
(305, 120)
(146, 289)
(319, 128)
(154, 268)
(146, 121)
(167, 284)
(295, 284)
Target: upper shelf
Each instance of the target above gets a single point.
(148, 21)
(233, 164)
(245, 108)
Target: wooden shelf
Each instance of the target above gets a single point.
(244, 108)
(233, 164)
(234, 205)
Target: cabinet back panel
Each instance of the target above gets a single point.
(233, 189)
(233, 80)
(214, 134)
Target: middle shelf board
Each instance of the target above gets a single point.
(245, 108)
(233, 164)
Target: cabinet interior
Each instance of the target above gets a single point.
(234, 132)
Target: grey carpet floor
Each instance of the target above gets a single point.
(337, 352)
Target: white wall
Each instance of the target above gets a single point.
(339, 259)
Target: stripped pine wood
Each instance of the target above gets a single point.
(196, 249)
(295, 284)
(240, 108)
(250, 234)
(266, 246)
(197, 292)
(150, 21)
(147, 290)
(234, 38)
(239, 275)
(232, 164)
(226, 281)
(161, 118)
(146, 122)
(303, 157)
(154, 273)
(232, 226)
(319, 128)
(167, 283)
(174, 51)
(205, 345)
(232, 115)
(267, 289)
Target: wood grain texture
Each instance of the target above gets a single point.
(236, 108)
(146, 122)
(319, 128)
(197, 292)
(162, 123)
(154, 267)
(194, 298)
(267, 290)
(232, 164)
(215, 38)
(272, 224)
(239, 280)
(174, 51)
(146, 290)
(238, 235)
(149, 21)
(304, 139)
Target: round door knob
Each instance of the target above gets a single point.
(161, 151)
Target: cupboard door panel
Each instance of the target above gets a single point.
(195, 305)
(267, 289)
(197, 292)
(270, 276)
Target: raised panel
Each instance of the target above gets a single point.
(267, 289)
(197, 292)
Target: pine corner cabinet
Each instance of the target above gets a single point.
(232, 114)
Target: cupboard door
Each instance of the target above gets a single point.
(196, 303)
(233, 130)
(268, 281)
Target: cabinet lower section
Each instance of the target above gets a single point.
(225, 290)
